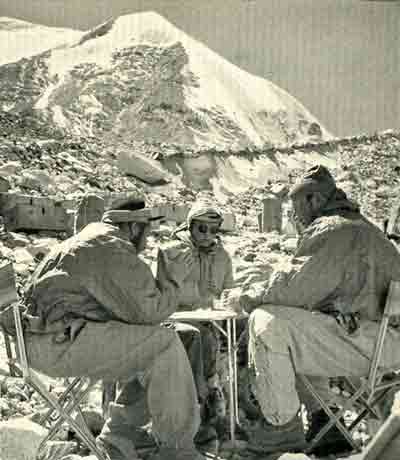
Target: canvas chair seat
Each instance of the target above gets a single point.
(370, 390)
(62, 409)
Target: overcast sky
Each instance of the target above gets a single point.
(340, 58)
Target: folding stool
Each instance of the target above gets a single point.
(62, 407)
(372, 389)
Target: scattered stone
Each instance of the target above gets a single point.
(4, 185)
(65, 184)
(289, 245)
(274, 245)
(41, 246)
(146, 169)
(16, 240)
(249, 257)
(5, 409)
(23, 257)
(11, 434)
(29, 181)
(94, 418)
(8, 383)
(10, 168)
(57, 450)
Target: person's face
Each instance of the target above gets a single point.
(139, 233)
(303, 211)
(204, 233)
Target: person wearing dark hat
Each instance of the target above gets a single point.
(320, 314)
(209, 274)
(99, 311)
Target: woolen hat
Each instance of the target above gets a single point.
(315, 179)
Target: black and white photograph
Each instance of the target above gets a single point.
(199, 229)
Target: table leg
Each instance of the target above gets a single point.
(235, 370)
(231, 379)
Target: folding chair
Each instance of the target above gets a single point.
(373, 388)
(61, 408)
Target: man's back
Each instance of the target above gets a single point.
(97, 275)
(64, 283)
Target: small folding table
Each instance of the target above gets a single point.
(215, 317)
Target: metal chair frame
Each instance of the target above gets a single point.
(60, 408)
(373, 388)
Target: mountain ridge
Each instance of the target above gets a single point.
(138, 78)
(21, 39)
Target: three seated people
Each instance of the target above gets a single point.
(100, 310)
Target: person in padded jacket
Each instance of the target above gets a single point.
(97, 311)
(210, 273)
(320, 314)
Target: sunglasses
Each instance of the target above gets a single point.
(204, 228)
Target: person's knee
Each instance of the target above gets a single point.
(269, 329)
(260, 321)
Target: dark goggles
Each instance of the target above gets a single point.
(204, 228)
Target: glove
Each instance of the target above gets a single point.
(230, 300)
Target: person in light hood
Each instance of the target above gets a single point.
(99, 311)
(320, 315)
(196, 244)
(211, 268)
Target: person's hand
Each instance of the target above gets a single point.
(230, 300)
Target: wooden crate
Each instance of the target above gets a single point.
(24, 212)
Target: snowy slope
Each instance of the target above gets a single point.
(21, 39)
(140, 80)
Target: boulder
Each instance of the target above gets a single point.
(29, 181)
(17, 240)
(65, 184)
(41, 247)
(143, 168)
(58, 450)
(10, 168)
(23, 256)
(4, 184)
(11, 434)
(94, 418)
(43, 176)
(5, 409)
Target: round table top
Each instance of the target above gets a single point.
(204, 314)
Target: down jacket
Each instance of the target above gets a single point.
(343, 263)
(210, 274)
(97, 275)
